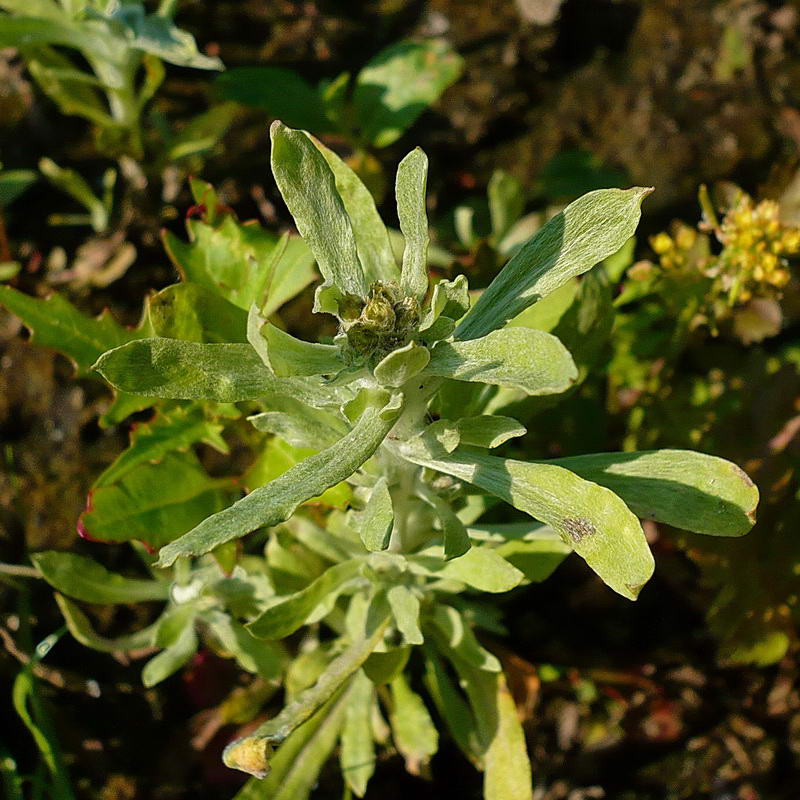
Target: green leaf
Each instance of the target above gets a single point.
(480, 568)
(383, 668)
(243, 263)
(194, 313)
(154, 503)
(287, 614)
(488, 431)
(454, 534)
(506, 202)
(357, 755)
(257, 656)
(252, 753)
(688, 490)
(590, 518)
(536, 559)
(81, 629)
(201, 133)
(520, 358)
(413, 730)
(372, 238)
(405, 609)
(399, 84)
(410, 188)
(298, 424)
(171, 658)
(13, 182)
(55, 323)
(308, 187)
(401, 365)
(84, 579)
(592, 228)
(451, 705)
(461, 640)
(173, 369)
(281, 93)
(289, 356)
(295, 769)
(176, 429)
(277, 500)
(377, 518)
(72, 183)
(450, 299)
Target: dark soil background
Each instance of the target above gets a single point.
(623, 701)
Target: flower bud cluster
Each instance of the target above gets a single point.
(383, 322)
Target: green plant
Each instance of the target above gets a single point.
(118, 68)
(371, 110)
(371, 472)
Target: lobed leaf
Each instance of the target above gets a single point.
(592, 228)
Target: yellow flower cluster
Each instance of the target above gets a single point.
(753, 260)
(755, 247)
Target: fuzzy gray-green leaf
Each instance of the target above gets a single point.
(410, 186)
(592, 228)
(377, 518)
(688, 490)
(309, 189)
(520, 358)
(277, 500)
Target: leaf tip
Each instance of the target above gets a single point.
(250, 755)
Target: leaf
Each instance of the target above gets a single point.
(55, 323)
(506, 202)
(295, 769)
(461, 640)
(73, 183)
(488, 430)
(688, 490)
(277, 500)
(173, 369)
(536, 559)
(451, 705)
(281, 93)
(372, 239)
(405, 609)
(289, 356)
(383, 668)
(84, 579)
(357, 754)
(254, 655)
(252, 753)
(410, 187)
(480, 568)
(401, 365)
(298, 424)
(171, 658)
(520, 358)
(309, 189)
(454, 534)
(202, 133)
(450, 299)
(590, 518)
(194, 313)
(176, 429)
(154, 503)
(377, 518)
(13, 182)
(81, 629)
(243, 263)
(592, 228)
(413, 730)
(156, 34)
(287, 614)
(399, 84)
